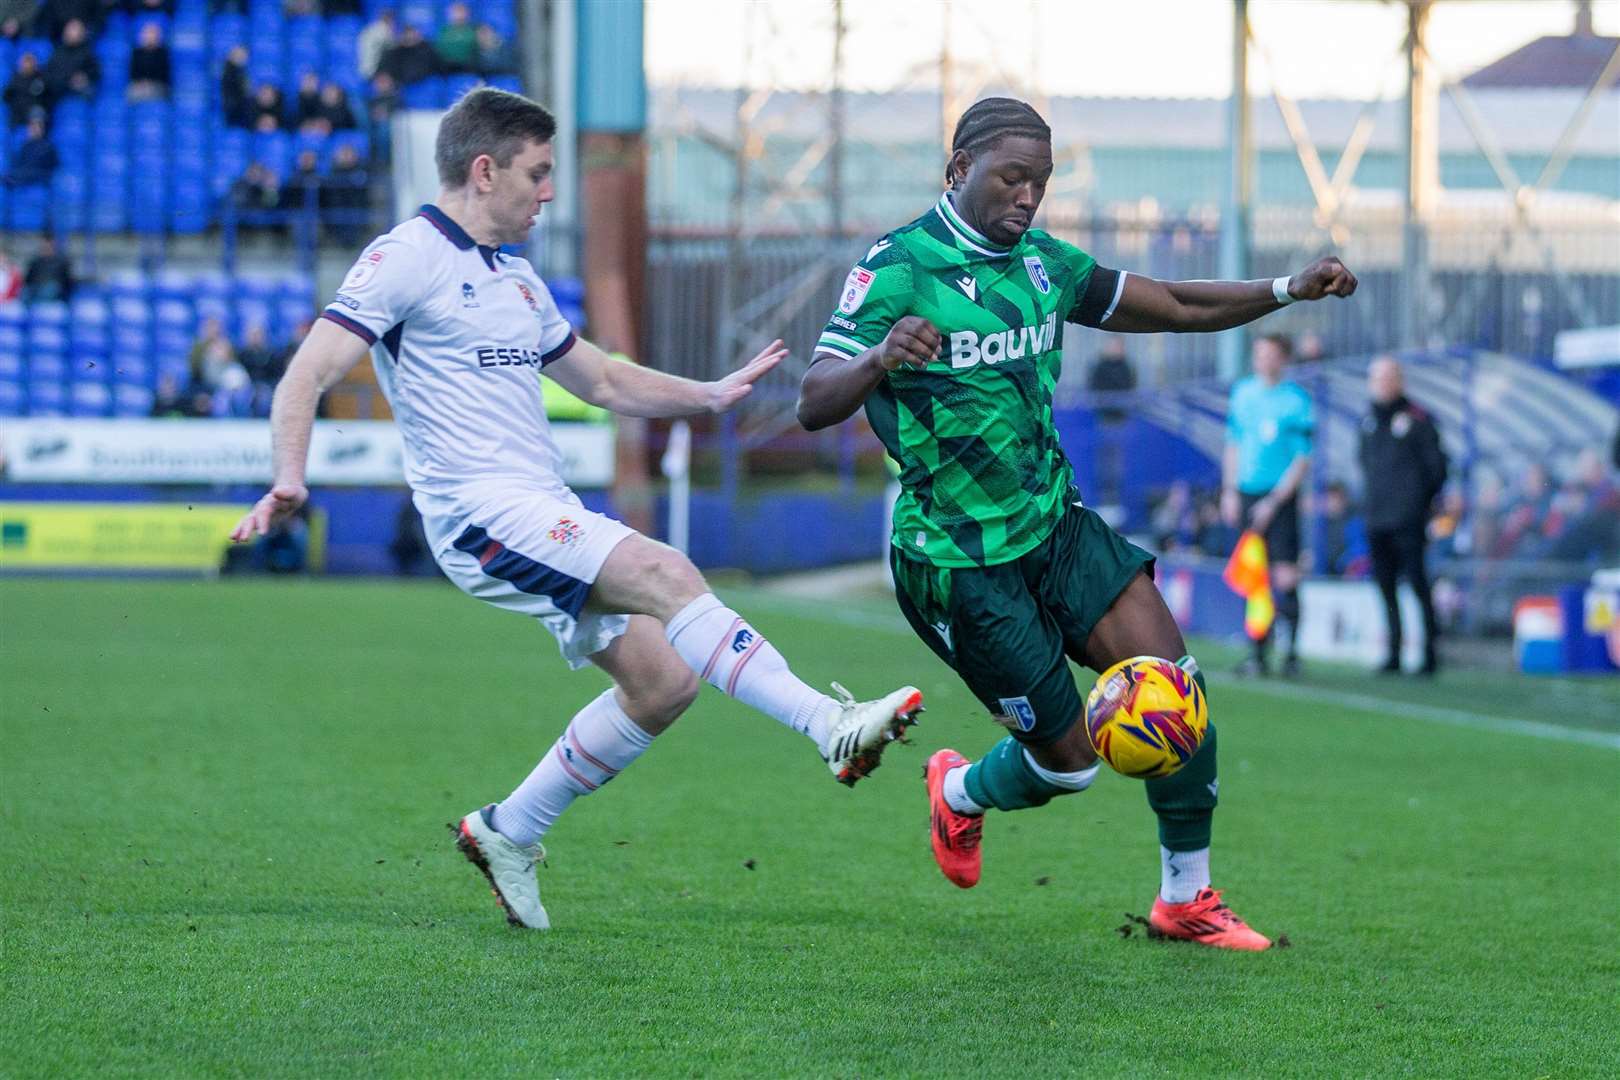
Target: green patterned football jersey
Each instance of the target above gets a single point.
(982, 477)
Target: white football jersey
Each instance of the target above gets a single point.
(458, 335)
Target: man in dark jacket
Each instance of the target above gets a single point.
(72, 67)
(1404, 468)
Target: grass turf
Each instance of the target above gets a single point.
(224, 853)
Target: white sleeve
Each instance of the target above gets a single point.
(556, 336)
(380, 291)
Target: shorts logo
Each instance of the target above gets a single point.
(469, 295)
(855, 287)
(1019, 712)
(1037, 273)
(566, 531)
(741, 642)
(363, 271)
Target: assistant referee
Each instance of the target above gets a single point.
(1270, 423)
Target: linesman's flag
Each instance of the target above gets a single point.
(1247, 575)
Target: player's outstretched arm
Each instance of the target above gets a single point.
(835, 386)
(326, 355)
(1151, 307)
(630, 390)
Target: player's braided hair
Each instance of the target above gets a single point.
(990, 120)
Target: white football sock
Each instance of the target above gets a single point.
(735, 659)
(595, 747)
(1072, 781)
(1182, 874)
(955, 791)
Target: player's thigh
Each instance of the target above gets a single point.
(655, 682)
(1098, 586)
(646, 577)
(986, 624)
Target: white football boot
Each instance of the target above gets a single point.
(508, 866)
(864, 729)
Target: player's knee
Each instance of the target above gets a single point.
(684, 690)
(670, 576)
(1070, 752)
(659, 700)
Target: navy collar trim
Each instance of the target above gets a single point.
(456, 234)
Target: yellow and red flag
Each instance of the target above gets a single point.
(1247, 575)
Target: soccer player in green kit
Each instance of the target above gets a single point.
(949, 332)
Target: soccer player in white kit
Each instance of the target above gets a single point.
(458, 332)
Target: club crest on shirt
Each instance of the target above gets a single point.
(363, 271)
(469, 295)
(1037, 273)
(855, 288)
(528, 296)
(566, 531)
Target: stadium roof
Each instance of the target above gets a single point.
(1571, 61)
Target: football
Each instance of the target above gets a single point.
(1146, 717)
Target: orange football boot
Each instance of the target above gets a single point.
(1206, 920)
(955, 836)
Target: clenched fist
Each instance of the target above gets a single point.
(913, 340)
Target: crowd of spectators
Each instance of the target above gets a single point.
(48, 275)
(228, 378)
(1573, 518)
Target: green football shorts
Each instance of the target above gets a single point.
(1009, 630)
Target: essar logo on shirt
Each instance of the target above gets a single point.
(855, 288)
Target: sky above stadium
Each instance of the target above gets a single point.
(1089, 48)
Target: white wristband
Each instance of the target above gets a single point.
(1279, 289)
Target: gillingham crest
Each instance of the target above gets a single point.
(1037, 273)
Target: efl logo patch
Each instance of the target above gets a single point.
(744, 638)
(566, 531)
(1037, 273)
(363, 271)
(855, 288)
(1019, 711)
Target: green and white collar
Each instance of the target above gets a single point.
(965, 234)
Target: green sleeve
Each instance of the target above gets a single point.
(875, 295)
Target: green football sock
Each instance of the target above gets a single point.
(1004, 780)
(1185, 801)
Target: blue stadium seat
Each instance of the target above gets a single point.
(133, 369)
(226, 30)
(90, 344)
(566, 290)
(357, 139)
(173, 365)
(13, 398)
(89, 311)
(89, 399)
(289, 313)
(215, 307)
(174, 314)
(48, 313)
(127, 285)
(500, 14)
(40, 47)
(273, 149)
(130, 400)
(509, 83)
(45, 343)
(422, 14)
(13, 313)
(8, 57)
(45, 367)
(253, 311)
(192, 210)
(70, 195)
(427, 94)
(29, 208)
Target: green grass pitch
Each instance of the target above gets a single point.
(224, 853)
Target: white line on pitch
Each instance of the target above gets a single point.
(1434, 714)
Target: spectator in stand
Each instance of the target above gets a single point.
(1309, 348)
(27, 90)
(11, 278)
(263, 366)
(1526, 515)
(234, 7)
(1344, 535)
(211, 335)
(344, 195)
(1112, 373)
(335, 108)
(35, 161)
(496, 55)
(374, 40)
(302, 189)
(149, 7)
(49, 276)
(1215, 538)
(306, 106)
(169, 400)
(72, 67)
(267, 108)
(410, 60)
(149, 69)
(379, 110)
(300, 7)
(234, 88)
(457, 43)
(342, 7)
(1450, 532)
(256, 191)
(54, 17)
(1175, 519)
(11, 28)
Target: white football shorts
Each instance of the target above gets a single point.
(536, 553)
